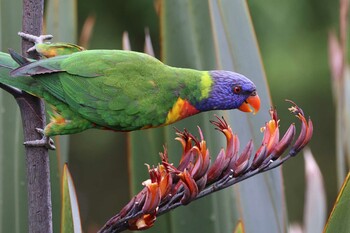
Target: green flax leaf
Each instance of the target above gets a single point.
(315, 196)
(338, 220)
(346, 110)
(70, 220)
(261, 199)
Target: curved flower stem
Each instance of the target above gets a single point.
(229, 181)
(214, 188)
(195, 178)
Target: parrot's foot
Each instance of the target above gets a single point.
(35, 39)
(44, 141)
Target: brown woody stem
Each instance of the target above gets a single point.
(33, 116)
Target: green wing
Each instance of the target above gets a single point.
(121, 90)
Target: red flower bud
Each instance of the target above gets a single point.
(190, 187)
(259, 157)
(144, 222)
(242, 162)
(284, 143)
(218, 167)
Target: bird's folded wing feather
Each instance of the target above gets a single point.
(108, 87)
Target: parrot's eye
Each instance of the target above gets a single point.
(237, 89)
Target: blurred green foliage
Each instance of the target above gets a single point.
(13, 195)
(292, 36)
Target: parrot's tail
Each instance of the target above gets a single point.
(21, 61)
(29, 67)
(18, 58)
(10, 62)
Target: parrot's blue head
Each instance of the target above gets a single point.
(230, 90)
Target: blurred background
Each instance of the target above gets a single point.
(292, 36)
(293, 40)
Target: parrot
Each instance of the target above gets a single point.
(119, 90)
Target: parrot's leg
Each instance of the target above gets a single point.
(35, 39)
(44, 141)
(60, 126)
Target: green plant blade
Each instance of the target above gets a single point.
(261, 199)
(338, 220)
(13, 192)
(70, 220)
(315, 196)
(341, 107)
(346, 113)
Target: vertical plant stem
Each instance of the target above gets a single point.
(33, 116)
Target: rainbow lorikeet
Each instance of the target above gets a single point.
(122, 90)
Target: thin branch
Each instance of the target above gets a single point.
(33, 116)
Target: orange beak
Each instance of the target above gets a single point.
(252, 101)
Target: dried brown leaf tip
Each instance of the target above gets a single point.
(171, 186)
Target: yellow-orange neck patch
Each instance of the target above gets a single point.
(181, 109)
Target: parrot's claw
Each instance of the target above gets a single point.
(44, 141)
(35, 39)
(31, 49)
